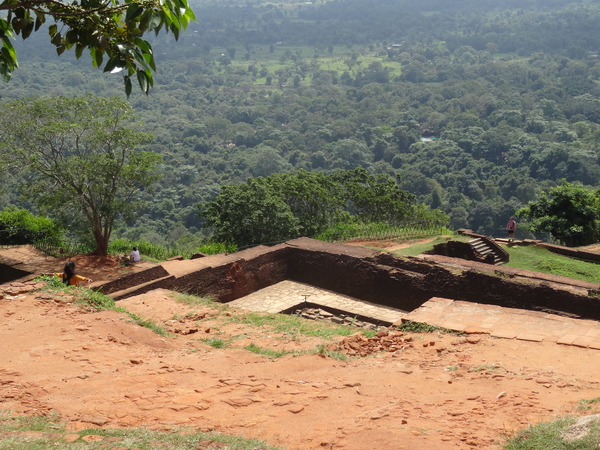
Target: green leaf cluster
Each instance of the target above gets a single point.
(105, 28)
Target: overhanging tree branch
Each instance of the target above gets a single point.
(112, 28)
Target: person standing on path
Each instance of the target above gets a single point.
(511, 227)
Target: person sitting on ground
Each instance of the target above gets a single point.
(69, 277)
(135, 255)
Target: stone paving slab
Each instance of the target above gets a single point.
(507, 323)
(287, 294)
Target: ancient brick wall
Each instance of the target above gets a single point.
(405, 284)
(236, 279)
(134, 279)
(161, 283)
(362, 278)
(364, 274)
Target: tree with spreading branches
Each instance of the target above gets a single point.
(111, 28)
(78, 160)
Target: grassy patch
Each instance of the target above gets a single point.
(550, 436)
(378, 231)
(81, 295)
(585, 404)
(270, 353)
(293, 326)
(215, 342)
(541, 260)
(146, 323)
(141, 438)
(195, 300)
(419, 327)
(95, 301)
(324, 351)
(418, 248)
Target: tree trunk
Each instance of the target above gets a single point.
(101, 243)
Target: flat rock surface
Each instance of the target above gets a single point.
(441, 391)
(511, 323)
(287, 294)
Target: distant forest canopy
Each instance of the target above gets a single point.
(506, 92)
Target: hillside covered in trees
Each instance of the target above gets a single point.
(476, 107)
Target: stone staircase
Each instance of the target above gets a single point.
(488, 251)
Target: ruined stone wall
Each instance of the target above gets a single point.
(9, 273)
(366, 275)
(361, 278)
(495, 290)
(405, 284)
(161, 283)
(462, 250)
(237, 279)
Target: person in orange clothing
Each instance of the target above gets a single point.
(69, 277)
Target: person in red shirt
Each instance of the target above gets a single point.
(511, 227)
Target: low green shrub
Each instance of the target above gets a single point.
(19, 227)
(356, 230)
(161, 253)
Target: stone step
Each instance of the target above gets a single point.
(484, 249)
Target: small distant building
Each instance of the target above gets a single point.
(396, 46)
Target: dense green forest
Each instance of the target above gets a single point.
(476, 106)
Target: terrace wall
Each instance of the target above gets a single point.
(372, 276)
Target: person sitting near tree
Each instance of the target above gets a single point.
(135, 255)
(69, 277)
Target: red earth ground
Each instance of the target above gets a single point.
(438, 392)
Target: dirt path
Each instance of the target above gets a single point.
(438, 392)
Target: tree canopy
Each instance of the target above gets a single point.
(79, 159)
(505, 96)
(284, 206)
(568, 212)
(104, 27)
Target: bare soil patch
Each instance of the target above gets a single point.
(439, 391)
(98, 268)
(388, 245)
